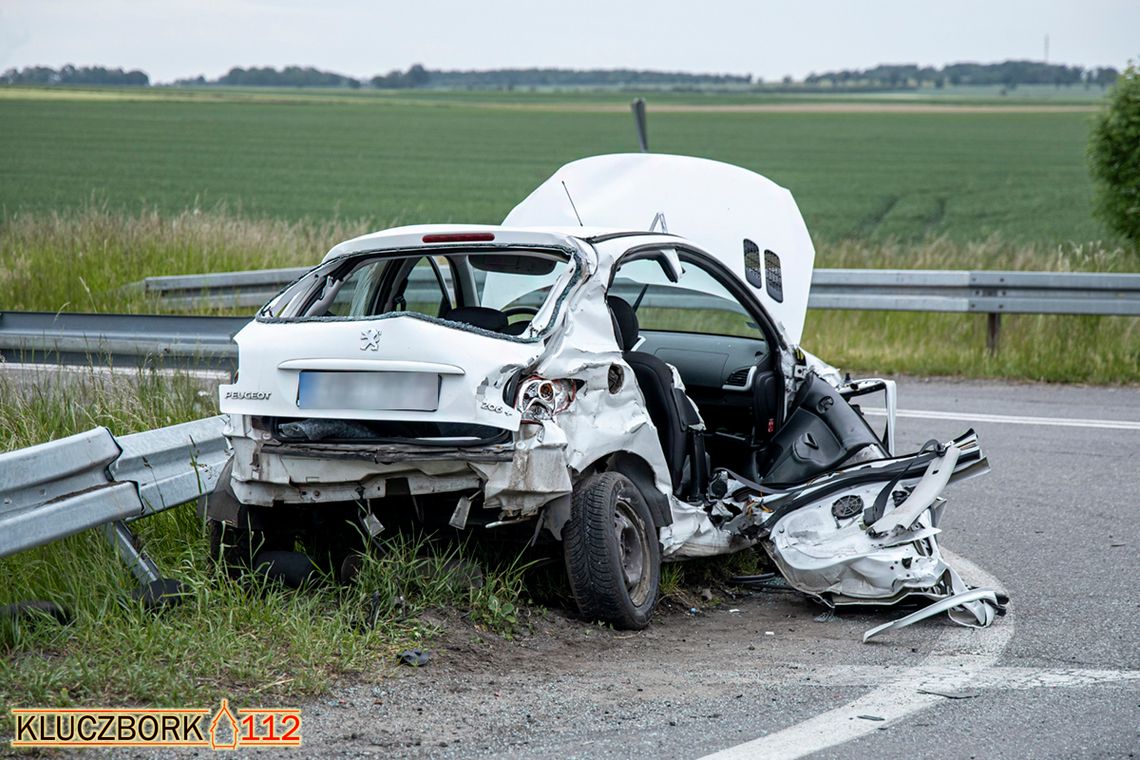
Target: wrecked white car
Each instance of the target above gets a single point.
(615, 368)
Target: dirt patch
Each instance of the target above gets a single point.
(564, 684)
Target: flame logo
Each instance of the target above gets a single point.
(218, 728)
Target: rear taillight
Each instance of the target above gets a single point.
(541, 399)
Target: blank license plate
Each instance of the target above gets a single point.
(372, 391)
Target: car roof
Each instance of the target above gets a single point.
(413, 236)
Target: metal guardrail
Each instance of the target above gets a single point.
(93, 479)
(992, 293)
(173, 340)
(172, 465)
(981, 291)
(239, 290)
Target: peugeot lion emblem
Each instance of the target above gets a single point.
(370, 340)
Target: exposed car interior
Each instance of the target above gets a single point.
(497, 292)
(731, 378)
(677, 421)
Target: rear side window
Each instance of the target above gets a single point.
(517, 287)
(355, 289)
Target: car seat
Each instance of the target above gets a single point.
(673, 413)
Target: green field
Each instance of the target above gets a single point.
(391, 159)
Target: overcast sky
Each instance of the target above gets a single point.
(181, 38)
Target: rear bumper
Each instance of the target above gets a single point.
(269, 473)
(517, 474)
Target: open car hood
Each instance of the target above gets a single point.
(723, 209)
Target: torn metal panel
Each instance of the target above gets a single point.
(827, 549)
(971, 597)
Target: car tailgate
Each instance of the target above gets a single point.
(394, 368)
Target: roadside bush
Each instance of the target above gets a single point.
(1114, 154)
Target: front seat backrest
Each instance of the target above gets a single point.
(478, 316)
(655, 378)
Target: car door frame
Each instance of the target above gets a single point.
(772, 334)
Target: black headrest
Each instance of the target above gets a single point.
(625, 319)
(478, 316)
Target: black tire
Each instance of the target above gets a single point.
(332, 541)
(234, 549)
(613, 557)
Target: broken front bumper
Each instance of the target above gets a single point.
(868, 534)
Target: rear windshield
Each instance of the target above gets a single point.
(507, 292)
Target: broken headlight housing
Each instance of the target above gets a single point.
(540, 399)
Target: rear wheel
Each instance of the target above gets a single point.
(234, 548)
(613, 558)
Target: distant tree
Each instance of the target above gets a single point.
(290, 76)
(69, 74)
(417, 76)
(1114, 156)
(1105, 77)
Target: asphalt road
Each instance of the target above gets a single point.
(1055, 523)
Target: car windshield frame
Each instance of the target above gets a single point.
(714, 268)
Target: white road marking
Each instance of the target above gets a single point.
(994, 678)
(959, 657)
(1008, 419)
(1040, 678)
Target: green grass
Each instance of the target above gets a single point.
(417, 157)
(583, 97)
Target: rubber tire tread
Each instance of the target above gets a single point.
(592, 555)
(233, 548)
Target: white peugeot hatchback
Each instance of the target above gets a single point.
(616, 368)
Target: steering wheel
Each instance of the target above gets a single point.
(516, 310)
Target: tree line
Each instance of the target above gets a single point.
(74, 75)
(885, 76)
(1007, 74)
(418, 76)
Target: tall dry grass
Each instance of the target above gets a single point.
(79, 260)
(988, 253)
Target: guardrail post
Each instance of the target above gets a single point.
(140, 565)
(993, 332)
